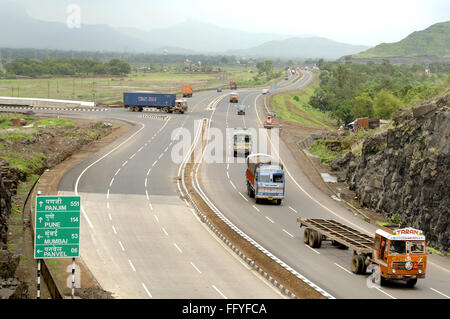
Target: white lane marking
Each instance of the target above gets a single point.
(243, 196)
(167, 148)
(150, 205)
(293, 209)
(287, 233)
(232, 185)
(179, 249)
(131, 157)
(162, 154)
(343, 268)
(146, 194)
(156, 217)
(270, 220)
(145, 144)
(107, 204)
(107, 194)
(109, 216)
(112, 181)
(140, 149)
(195, 267)
(124, 163)
(148, 172)
(228, 165)
(114, 230)
(121, 246)
(117, 172)
(131, 264)
(219, 292)
(145, 183)
(440, 293)
(313, 249)
(379, 289)
(165, 231)
(146, 290)
(154, 163)
(228, 175)
(256, 208)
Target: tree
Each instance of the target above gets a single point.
(362, 106)
(385, 104)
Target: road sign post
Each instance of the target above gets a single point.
(57, 230)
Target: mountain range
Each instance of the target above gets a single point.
(189, 37)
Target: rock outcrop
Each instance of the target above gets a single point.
(405, 170)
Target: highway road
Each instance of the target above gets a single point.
(276, 229)
(141, 240)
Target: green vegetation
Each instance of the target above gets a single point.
(350, 91)
(32, 68)
(293, 106)
(27, 163)
(432, 41)
(55, 122)
(320, 149)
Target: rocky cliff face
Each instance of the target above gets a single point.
(406, 170)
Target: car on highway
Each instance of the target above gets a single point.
(241, 109)
(265, 91)
(219, 89)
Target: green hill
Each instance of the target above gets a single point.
(433, 41)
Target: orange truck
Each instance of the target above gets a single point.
(234, 98)
(392, 254)
(268, 123)
(187, 90)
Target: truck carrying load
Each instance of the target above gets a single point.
(265, 178)
(136, 102)
(186, 90)
(393, 253)
(233, 85)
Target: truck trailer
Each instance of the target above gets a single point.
(136, 102)
(392, 254)
(265, 178)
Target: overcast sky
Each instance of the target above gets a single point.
(368, 22)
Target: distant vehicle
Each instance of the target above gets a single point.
(136, 102)
(286, 78)
(242, 142)
(265, 179)
(265, 91)
(268, 123)
(187, 90)
(393, 253)
(233, 85)
(219, 89)
(241, 109)
(234, 98)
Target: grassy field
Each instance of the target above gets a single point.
(102, 88)
(293, 106)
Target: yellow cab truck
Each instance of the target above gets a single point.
(392, 253)
(234, 98)
(186, 90)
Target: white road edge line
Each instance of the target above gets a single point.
(440, 293)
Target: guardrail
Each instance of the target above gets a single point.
(35, 102)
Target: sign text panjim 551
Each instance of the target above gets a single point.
(57, 227)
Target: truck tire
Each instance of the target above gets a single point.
(140, 109)
(306, 236)
(235, 154)
(278, 202)
(411, 283)
(357, 264)
(315, 239)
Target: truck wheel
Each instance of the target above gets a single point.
(315, 239)
(357, 263)
(306, 236)
(252, 195)
(278, 201)
(140, 109)
(411, 283)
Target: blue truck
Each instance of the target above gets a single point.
(265, 178)
(136, 102)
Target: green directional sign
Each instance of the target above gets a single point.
(57, 227)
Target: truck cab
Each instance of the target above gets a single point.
(234, 98)
(180, 106)
(400, 254)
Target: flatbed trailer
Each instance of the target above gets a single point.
(395, 254)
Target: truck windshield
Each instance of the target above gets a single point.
(417, 247)
(264, 178)
(277, 178)
(242, 139)
(397, 247)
